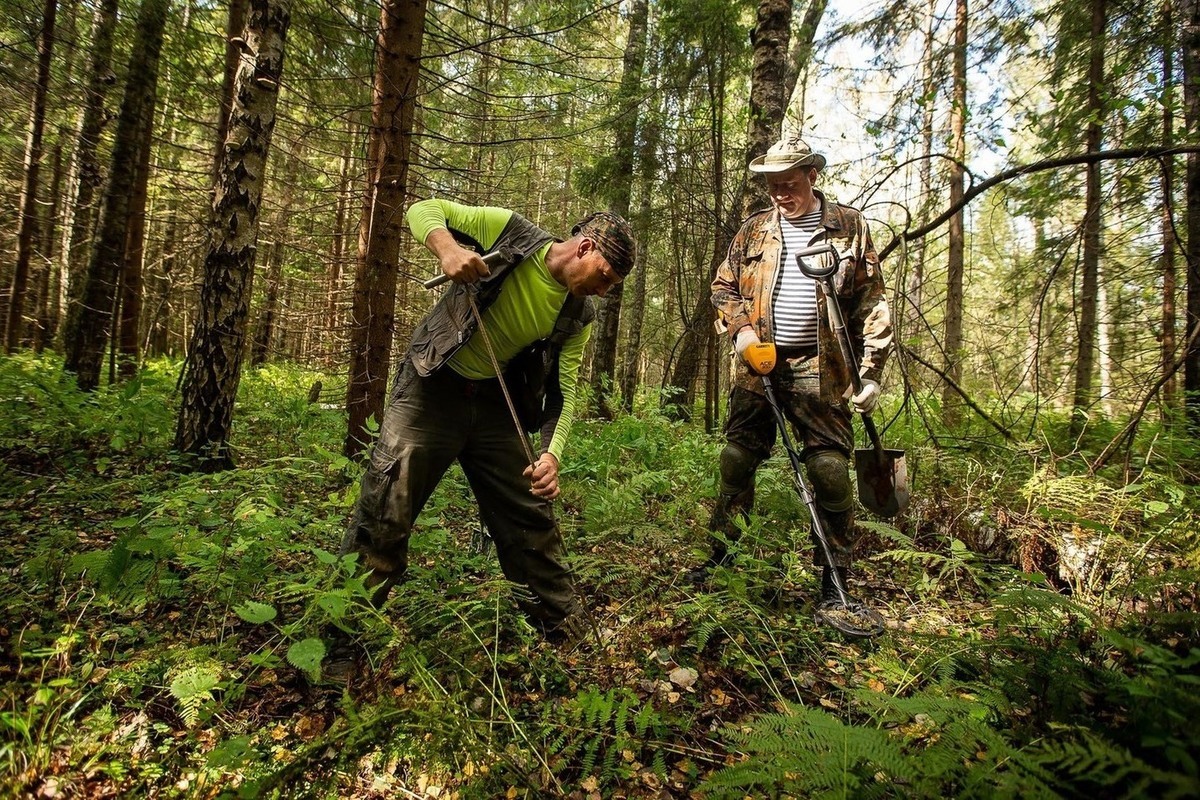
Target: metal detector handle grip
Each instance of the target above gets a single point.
(811, 270)
(491, 259)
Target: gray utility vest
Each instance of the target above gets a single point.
(532, 374)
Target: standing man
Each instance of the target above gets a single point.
(762, 295)
(446, 402)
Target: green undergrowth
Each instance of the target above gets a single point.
(165, 632)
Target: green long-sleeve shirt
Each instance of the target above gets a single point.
(525, 311)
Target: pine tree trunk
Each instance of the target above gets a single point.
(129, 328)
(88, 324)
(266, 324)
(1170, 390)
(635, 307)
(28, 220)
(50, 276)
(608, 309)
(212, 369)
(1085, 365)
(914, 286)
(86, 177)
(953, 334)
(1190, 19)
(336, 255)
(397, 69)
(234, 30)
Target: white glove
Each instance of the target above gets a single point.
(745, 337)
(865, 401)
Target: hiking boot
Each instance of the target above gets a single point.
(342, 658)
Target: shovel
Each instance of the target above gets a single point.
(882, 475)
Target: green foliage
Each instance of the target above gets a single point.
(174, 619)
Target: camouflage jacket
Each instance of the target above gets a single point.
(746, 282)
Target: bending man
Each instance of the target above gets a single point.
(447, 404)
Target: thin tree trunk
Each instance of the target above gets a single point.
(608, 310)
(86, 177)
(397, 68)
(956, 255)
(1085, 365)
(635, 308)
(50, 276)
(797, 66)
(336, 255)
(234, 29)
(88, 324)
(129, 329)
(1170, 389)
(212, 370)
(28, 220)
(266, 324)
(1190, 19)
(914, 289)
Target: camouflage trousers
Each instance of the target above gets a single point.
(429, 423)
(823, 433)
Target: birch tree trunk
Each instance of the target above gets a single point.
(397, 68)
(212, 369)
(89, 323)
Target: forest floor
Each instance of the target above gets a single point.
(164, 630)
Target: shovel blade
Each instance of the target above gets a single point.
(882, 481)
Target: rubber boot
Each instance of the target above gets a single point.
(829, 592)
(722, 524)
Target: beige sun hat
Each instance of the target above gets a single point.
(789, 152)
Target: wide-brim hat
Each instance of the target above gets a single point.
(788, 153)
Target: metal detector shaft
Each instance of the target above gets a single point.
(806, 494)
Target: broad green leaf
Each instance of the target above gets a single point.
(255, 612)
(306, 654)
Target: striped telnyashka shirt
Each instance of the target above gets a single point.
(795, 301)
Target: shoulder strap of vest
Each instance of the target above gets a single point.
(576, 314)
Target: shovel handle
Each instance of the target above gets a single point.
(490, 259)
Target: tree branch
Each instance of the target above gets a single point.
(970, 403)
(1027, 169)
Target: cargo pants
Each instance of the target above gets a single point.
(429, 423)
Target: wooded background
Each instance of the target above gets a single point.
(225, 183)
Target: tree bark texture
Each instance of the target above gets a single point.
(28, 220)
(1170, 390)
(397, 68)
(635, 307)
(1190, 19)
(265, 332)
(608, 309)
(89, 323)
(129, 328)
(798, 58)
(768, 95)
(1085, 365)
(956, 256)
(234, 28)
(213, 366)
(86, 175)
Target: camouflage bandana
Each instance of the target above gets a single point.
(613, 236)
